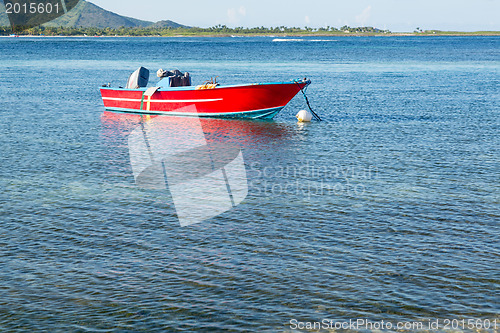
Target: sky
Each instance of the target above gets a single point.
(395, 15)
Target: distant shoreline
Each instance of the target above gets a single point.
(392, 34)
(223, 31)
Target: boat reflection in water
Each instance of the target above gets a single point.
(199, 160)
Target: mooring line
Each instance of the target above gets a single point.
(307, 101)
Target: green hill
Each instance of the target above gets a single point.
(88, 15)
(168, 24)
(4, 19)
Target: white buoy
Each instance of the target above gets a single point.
(304, 116)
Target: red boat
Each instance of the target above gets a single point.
(255, 101)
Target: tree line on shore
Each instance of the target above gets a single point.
(169, 31)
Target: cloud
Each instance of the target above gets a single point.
(234, 15)
(363, 18)
(307, 19)
(243, 11)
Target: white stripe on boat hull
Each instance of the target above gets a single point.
(162, 100)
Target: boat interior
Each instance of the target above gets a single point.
(173, 78)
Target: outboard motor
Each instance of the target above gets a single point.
(138, 79)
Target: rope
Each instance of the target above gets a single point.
(307, 102)
(142, 100)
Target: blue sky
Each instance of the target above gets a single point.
(395, 15)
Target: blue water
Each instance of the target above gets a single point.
(389, 209)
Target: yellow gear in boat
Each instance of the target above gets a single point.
(206, 86)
